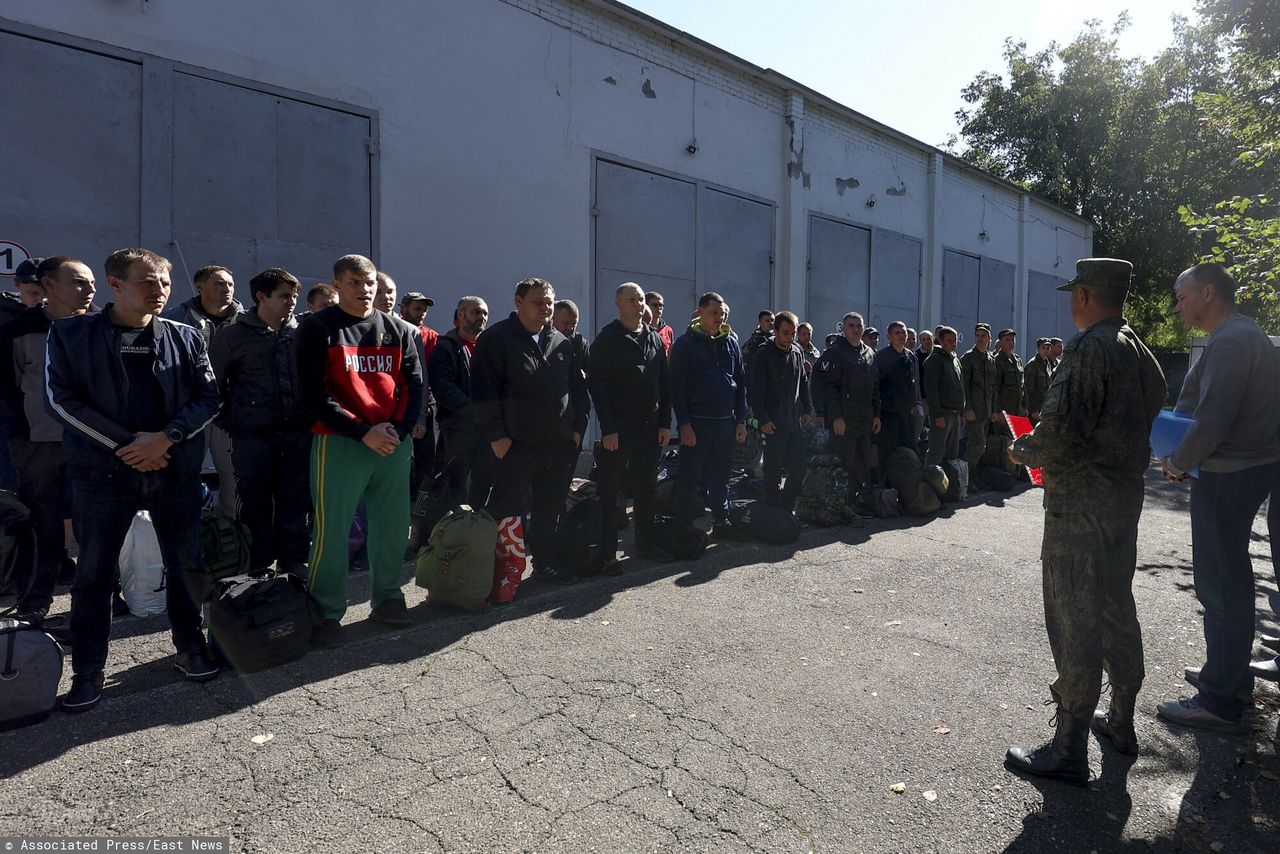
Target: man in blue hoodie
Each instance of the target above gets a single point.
(708, 394)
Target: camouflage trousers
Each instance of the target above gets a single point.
(1089, 559)
(977, 441)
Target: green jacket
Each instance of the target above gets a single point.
(979, 374)
(1008, 383)
(1035, 382)
(1091, 441)
(943, 383)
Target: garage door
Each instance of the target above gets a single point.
(70, 151)
(839, 274)
(736, 239)
(1048, 309)
(995, 298)
(961, 275)
(895, 286)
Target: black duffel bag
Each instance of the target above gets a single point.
(260, 622)
(764, 523)
(685, 542)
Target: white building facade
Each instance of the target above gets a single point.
(465, 144)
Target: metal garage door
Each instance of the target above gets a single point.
(645, 232)
(1048, 309)
(70, 151)
(895, 286)
(961, 275)
(839, 274)
(736, 241)
(260, 180)
(995, 296)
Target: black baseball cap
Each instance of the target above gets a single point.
(26, 272)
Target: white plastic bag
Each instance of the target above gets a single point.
(142, 568)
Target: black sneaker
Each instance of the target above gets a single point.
(196, 664)
(85, 693)
(34, 616)
(329, 635)
(392, 613)
(548, 573)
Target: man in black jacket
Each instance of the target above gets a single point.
(850, 392)
(466, 454)
(210, 310)
(133, 391)
(254, 361)
(631, 390)
(900, 402)
(778, 392)
(531, 404)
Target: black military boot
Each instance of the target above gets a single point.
(1117, 722)
(1066, 757)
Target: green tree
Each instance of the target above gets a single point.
(1121, 141)
(1244, 230)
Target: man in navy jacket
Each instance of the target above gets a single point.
(709, 395)
(133, 391)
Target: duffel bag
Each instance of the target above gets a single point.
(763, 523)
(684, 542)
(904, 473)
(579, 547)
(996, 453)
(824, 495)
(995, 479)
(937, 478)
(958, 480)
(456, 564)
(257, 622)
(925, 502)
(30, 669)
(879, 501)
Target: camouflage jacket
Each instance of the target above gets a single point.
(1035, 382)
(979, 374)
(1008, 383)
(1091, 441)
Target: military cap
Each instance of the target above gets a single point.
(414, 296)
(26, 272)
(870, 330)
(986, 326)
(1109, 273)
(1004, 332)
(1040, 342)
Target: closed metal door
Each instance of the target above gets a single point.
(645, 232)
(736, 241)
(261, 180)
(896, 283)
(1048, 309)
(995, 299)
(961, 275)
(839, 274)
(70, 152)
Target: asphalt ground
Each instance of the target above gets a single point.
(760, 699)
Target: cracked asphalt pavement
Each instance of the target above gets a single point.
(761, 699)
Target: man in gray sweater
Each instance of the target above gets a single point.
(1233, 392)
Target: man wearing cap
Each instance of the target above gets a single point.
(1009, 376)
(1233, 393)
(413, 311)
(1055, 352)
(979, 377)
(30, 291)
(944, 381)
(1036, 379)
(871, 337)
(1091, 443)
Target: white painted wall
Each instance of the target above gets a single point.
(491, 111)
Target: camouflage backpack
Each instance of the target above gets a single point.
(824, 496)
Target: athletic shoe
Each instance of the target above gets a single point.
(85, 693)
(328, 636)
(196, 664)
(1191, 712)
(391, 613)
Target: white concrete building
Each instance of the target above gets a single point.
(465, 144)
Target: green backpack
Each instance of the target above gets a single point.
(456, 564)
(225, 552)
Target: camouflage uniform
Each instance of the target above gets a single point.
(1091, 443)
(848, 386)
(979, 374)
(1035, 383)
(1008, 383)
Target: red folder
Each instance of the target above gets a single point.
(1020, 426)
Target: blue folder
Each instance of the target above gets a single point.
(1167, 432)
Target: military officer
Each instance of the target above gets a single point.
(1091, 444)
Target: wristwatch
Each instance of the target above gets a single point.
(174, 434)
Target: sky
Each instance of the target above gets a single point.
(903, 62)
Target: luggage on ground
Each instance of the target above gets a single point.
(817, 440)
(456, 564)
(744, 485)
(665, 495)
(750, 453)
(30, 670)
(879, 501)
(764, 523)
(226, 545)
(995, 479)
(996, 453)
(685, 542)
(958, 475)
(904, 473)
(937, 478)
(257, 622)
(142, 574)
(579, 546)
(824, 495)
(925, 502)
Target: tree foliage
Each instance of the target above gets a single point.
(1142, 147)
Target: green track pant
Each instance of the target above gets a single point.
(342, 472)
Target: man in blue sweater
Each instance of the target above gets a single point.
(708, 394)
